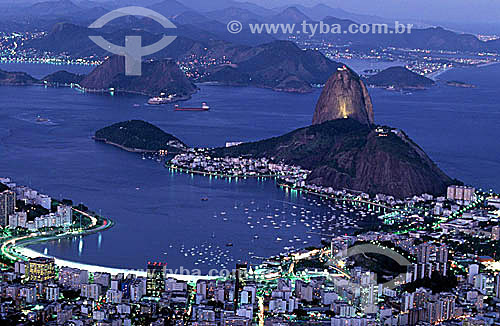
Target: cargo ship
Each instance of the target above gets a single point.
(204, 107)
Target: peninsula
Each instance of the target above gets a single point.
(8, 78)
(399, 78)
(460, 84)
(139, 136)
(345, 154)
(62, 78)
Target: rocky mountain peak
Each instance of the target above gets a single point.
(344, 96)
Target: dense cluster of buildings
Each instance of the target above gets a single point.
(197, 67)
(266, 295)
(200, 161)
(11, 52)
(422, 61)
(7, 206)
(448, 280)
(461, 194)
(13, 219)
(62, 218)
(444, 269)
(441, 280)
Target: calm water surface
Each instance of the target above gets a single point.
(159, 215)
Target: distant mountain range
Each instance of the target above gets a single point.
(234, 13)
(288, 15)
(43, 13)
(320, 11)
(432, 38)
(170, 8)
(196, 23)
(199, 20)
(257, 59)
(196, 13)
(74, 40)
(279, 65)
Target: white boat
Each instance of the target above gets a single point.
(158, 100)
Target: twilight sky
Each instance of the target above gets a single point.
(441, 10)
(459, 11)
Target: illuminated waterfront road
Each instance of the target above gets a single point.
(15, 250)
(359, 201)
(92, 218)
(9, 247)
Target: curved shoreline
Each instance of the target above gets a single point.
(17, 247)
(280, 184)
(30, 253)
(128, 149)
(129, 92)
(434, 75)
(220, 175)
(9, 246)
